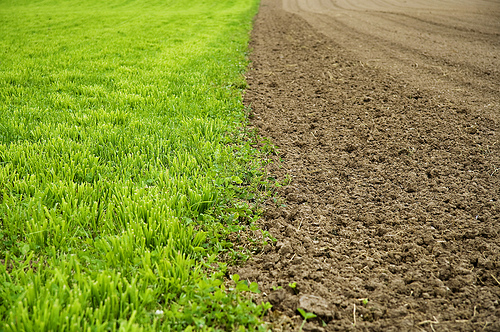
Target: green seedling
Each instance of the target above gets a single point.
(268, 147)
(287, 180)
(293, 286)
(306, 316)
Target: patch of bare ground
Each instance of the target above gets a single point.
(386, 118)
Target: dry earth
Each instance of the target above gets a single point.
(385, 115)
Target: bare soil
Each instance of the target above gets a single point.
(385, 115)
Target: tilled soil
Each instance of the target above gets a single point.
(385, 116)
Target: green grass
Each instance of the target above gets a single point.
(123, 165)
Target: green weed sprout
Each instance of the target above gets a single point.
(306, 315)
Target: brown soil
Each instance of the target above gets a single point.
(385, 115)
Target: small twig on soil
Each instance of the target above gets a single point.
(364, 268)
(354, 315)
(496, 169)
(475, 312)
(291, 259)
(435, 321)
(498, 282)
(426, 322)
(300, 224)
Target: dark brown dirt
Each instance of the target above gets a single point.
(385, 115)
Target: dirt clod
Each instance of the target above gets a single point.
(315, 304)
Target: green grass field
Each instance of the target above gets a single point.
(124, 165)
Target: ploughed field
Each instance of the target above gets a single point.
(385, 117)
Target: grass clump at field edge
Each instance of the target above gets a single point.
(120, 162)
